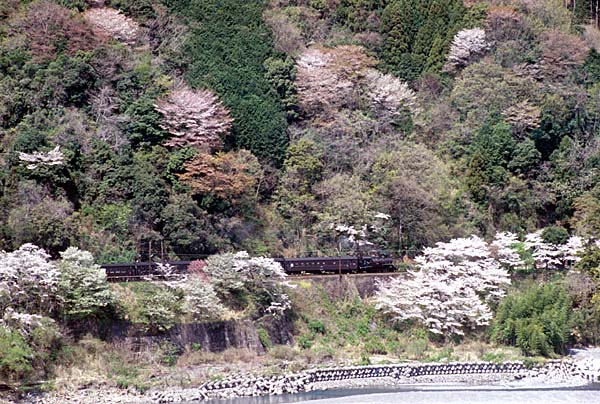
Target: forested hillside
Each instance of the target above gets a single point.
(214, 125)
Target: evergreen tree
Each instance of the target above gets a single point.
(229, 43)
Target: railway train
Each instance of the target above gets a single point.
(135, 271)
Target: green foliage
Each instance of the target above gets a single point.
(496, 357)
(358, 14)
(65, 81)
(265, 339)
(141, 9)
(15, 356)
(228, 46)
(496, 146)
(144, 128)
(305, 341)
(537, 320)
(316, 327)
(589, 262)
(591, 68)
(417, 35)
(281, 73)
(525, 157)
(555, 235)
(157, 308)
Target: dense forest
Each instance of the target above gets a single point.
(209, 126)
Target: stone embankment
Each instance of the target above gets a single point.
(551, 374)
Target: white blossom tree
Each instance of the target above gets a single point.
(467, 45)
(570, 250)
(261, 278)
(52, 158)
(389, 95)
(200, 299)
(194, 118)
(452, 289)
(504, 250)
(84, 287)
(327, 78)
(545, 255)
(113, 23)
(29, 281)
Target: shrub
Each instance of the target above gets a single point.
(305, 341)
(200, 300)
(265, 339)
(159, 309)
(84, 287)
(374, 345)
(496, 357)
(283, 352)
(15, 355)
(556, 235)
(537, 320)
(316, 326)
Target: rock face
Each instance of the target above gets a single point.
(214, 337)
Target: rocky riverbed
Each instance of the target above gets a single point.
(578, 370)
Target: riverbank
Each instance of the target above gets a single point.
(576, 371)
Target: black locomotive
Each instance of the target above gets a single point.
(135, 271)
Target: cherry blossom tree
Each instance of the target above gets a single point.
(546, 255)
(200, 299)
(29, 281)
(571, 250)
(263, 279)
(52, 158)
(504, 251)
(113, 23)
(389, 95)
(452, 289)
(327, 79)
(194, 118)
(467, 45)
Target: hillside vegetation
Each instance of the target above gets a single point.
(211, 125)
(463, 137)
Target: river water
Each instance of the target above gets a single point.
(433, 395)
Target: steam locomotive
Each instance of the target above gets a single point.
(134, 271)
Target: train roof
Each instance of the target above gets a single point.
(347, 257)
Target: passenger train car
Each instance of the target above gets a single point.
(135, 271)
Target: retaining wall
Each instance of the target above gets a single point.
(559, 370)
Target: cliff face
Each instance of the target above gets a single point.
(221, 335)
(213, 337)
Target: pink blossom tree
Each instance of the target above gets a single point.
(194, 118)
(328, 79)
(113, 23)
